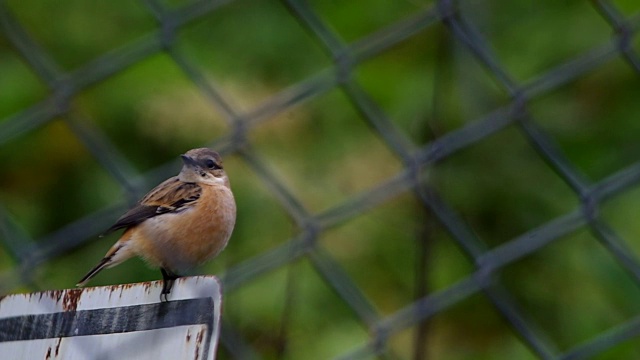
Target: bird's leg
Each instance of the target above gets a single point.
(168, 278)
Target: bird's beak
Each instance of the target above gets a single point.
(188, 161)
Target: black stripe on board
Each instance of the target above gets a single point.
(109, 320)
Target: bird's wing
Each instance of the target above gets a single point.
(171, 196)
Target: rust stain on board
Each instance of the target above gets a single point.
(199, 338)
(70, 300)
(58, 347)
(53, 294)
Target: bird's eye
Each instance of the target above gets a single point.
(210, 164)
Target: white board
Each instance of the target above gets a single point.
(114, 322)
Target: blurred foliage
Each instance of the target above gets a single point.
(324, 153)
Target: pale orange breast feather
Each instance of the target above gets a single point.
(184, 240)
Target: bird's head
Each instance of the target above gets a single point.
(203, 166)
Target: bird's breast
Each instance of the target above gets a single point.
(180, 241)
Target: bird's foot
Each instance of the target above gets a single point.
(168, 278)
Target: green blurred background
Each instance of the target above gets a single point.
(324, 153)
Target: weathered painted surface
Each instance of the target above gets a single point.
(114, 322)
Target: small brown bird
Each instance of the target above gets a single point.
(181, 223)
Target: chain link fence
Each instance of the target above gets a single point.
(453, 35)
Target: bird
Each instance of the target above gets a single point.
(180, 224)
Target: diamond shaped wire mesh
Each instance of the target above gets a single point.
(417, 154)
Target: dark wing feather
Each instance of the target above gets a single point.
(134, 216)
(171, 196)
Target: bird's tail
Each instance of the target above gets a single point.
(117, 254)
(101, 265)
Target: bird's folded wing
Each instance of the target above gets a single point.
(171, 196)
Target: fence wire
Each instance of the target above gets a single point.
(416, 161)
